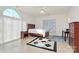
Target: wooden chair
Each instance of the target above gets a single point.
(65, 34)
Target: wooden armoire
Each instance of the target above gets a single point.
(74, 36)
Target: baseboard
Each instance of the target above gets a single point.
(55, 35)
(9, 41)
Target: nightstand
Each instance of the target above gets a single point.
(24, 34)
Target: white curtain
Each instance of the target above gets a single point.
(1, 30)
(16, 29)
(7, 29)
(10, 29)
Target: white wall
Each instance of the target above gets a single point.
(61, 22)
(74, 14)
(27, 19)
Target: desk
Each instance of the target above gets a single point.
(24, 34)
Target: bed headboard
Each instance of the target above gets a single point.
(30, 26)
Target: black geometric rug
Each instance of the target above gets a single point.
(44, 43)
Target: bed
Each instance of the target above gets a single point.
(37, 32)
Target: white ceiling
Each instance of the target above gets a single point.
(35, 10)
(49, 10)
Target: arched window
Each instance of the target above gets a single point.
(11, 13)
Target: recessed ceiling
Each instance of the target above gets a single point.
(49, 10)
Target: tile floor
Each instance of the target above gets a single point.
(19, 46)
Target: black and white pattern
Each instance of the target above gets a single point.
(44, 43)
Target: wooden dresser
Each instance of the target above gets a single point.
(74, 36)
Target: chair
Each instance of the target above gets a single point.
(65, 34)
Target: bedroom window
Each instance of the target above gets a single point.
(11, 13)
(50, 25)
(11, 27)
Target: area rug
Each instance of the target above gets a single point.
(44, 43)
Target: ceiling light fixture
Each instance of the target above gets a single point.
(42, 11)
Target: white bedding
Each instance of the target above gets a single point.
(38, 31)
